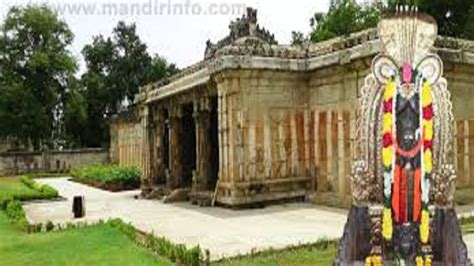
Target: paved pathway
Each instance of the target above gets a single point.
(224, 232)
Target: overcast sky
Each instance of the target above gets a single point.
(176, 29)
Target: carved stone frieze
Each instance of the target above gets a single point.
(444, 185)
(361, 183)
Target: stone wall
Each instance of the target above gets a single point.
(126, 143)
(460, 79)
(263, 125)
(333, 99)
(14, 163)
(281, 129)
(287, 114)
(333, 94)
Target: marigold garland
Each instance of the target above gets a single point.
(388, 156)
(428, 261)
(419, 261)
(387, 229)
(373, 260)
(424, 226)
(427, 116)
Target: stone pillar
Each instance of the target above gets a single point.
(175, 147)
(146, 184)
(159, 167)
(202, 117)
(330, 152)
(467, 169)
(341, 148)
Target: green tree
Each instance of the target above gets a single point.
(160, 68)
(469, 26)
(99, 92)
(133, 61)
(36, 69)
(75, 117)
(116, 68)
(455, 18)
(297, 38)
(452, 15)
(344, 17)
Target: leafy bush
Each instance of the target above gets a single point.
(16, 214)
(107, 175)
(49, 226)
(161, 246)
(24, 189)
(4, 200)
(47, 192)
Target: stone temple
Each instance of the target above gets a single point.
(256, 121)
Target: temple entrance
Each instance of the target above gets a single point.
(188, 136)
(214, 136)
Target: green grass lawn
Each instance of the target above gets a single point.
(106, 245)
(94, 245)
(467, 228)
(297, 256)
(13, 187)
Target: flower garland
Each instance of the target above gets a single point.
(373, 260)
(388, 155)
(423, 262)
(427, 156)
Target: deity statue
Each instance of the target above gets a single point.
(403, 179)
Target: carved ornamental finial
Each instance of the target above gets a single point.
(244, 27)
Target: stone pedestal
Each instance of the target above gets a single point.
(445, 238)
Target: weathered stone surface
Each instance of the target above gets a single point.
(287, 114)
(175, 150)
(14, 163)
(177, 195)
(446, 239)
(126, 139)
(355, 242)
(276, 124)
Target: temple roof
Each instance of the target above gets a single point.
(247, 41)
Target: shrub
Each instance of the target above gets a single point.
(107, 175)
(161, 246)
(127, 229)
(49, 226)
(16, 214)
(10, 202)
(14, 210)
(4, 200)
(35, 228)
(46, 191)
